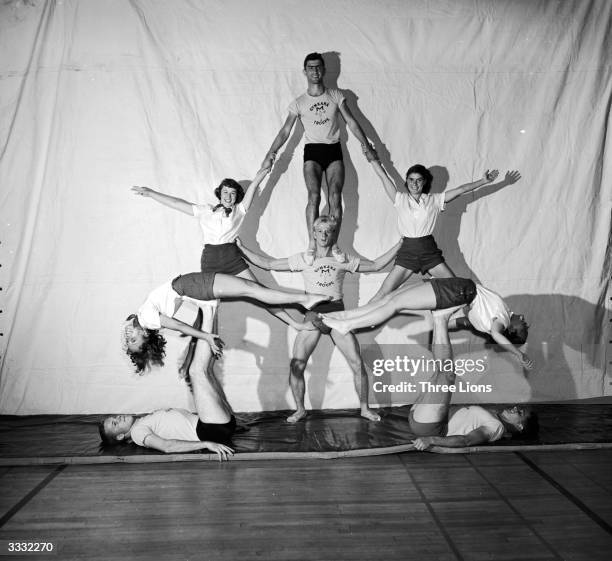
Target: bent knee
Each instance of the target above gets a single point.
(297, 366)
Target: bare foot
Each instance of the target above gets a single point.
(369, 414)
(297, 416)
(314, 299)
(339, 325)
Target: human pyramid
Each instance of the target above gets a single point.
(226, 274)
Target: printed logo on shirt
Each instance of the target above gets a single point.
(325, 273)
(319, 109)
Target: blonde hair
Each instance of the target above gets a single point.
(326, 219)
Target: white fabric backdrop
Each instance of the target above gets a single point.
(98, 96)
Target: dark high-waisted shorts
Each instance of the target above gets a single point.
(323, 154)
(220, 433)
(453, 292)
(427, 429)
(323, 308)
(419, 254)
(195, 285)
(222, 258)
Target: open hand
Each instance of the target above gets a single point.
(512, 177)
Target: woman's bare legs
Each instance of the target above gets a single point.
(419, 297)
(210, 401)
(433, 406)
(229, 286)
(441, 271)
(396, 277)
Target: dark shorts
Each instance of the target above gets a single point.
(195, 285)
(453, 292)
(222, 258)
(323, 308)
(428, 429)
(419, 254)
(220, 433)
(323, 154)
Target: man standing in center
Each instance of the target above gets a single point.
(318, 110)
(327, 275)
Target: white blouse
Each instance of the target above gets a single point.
(416, 220)
(216, 227)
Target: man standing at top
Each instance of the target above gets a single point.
(318, 110)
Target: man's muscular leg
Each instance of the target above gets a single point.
(305, 343)
(313, 174)
(334, 175)
(349, 347)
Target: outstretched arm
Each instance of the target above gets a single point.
(263, 262)
(167, 200)
(366, 266)
(489, 177)
(496, 333)
(174, 446)
(278, 142)
(388, 185)
(275, 265)
(253, 186)
(215, 342)
(474, 438)
(356, 129)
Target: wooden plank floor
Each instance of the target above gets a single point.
(510, 506)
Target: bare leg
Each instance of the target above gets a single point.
(363, 310)
(419, 297)
(349, 347)
(305, 343)
(395, 278)
(334, 174)
(312, 177)
(441, 271)
(432, 406)
(211, 403)
(374, 305)
(229, 286)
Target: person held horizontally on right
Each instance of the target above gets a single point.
(486, 311)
